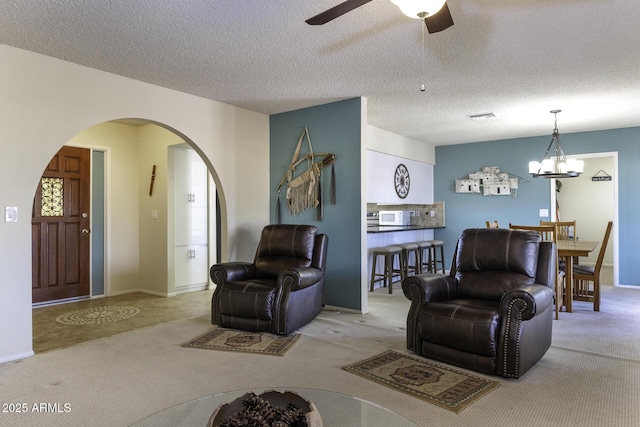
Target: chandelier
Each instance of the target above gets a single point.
(419, 9)
(556, 166)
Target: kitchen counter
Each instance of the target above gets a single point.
(393, 228)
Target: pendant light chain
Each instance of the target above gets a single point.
(424, 57)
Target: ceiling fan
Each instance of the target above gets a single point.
(435, 13)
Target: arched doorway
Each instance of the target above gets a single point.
(129, 209)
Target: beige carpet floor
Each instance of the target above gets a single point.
(589, 377)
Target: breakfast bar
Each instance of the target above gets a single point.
(422, 221)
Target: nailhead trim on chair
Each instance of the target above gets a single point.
(505, 372)
(281, 322)
(219, 281)
(411, 341)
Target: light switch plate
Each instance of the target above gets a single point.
(544, 213)
(10, 214)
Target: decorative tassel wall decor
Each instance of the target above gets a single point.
(304, 190)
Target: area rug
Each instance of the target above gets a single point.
(443, 386)
(243, 341)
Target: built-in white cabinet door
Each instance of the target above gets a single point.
(190, 192)
(191, 243)
(191, 266)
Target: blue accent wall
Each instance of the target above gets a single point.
(334, 128)
(512, 155)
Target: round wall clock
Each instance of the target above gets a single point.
(401, 181)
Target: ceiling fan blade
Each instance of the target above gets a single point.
(440, 21)
(336, 11)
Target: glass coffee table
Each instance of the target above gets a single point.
(336, 410)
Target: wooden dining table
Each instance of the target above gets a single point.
(568, 249)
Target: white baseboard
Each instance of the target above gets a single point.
(179, 290)
(17, 357)
(191, 288)
(144, 291)
(57, 302)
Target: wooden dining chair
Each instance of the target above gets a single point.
(584, 276)
(492, 224)
(566, 229)
(549, 234)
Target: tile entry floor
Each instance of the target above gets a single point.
(49, 334)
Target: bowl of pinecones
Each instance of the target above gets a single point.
(269, 409)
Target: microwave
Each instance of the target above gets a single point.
(394, 218)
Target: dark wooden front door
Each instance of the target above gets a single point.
(60, 228)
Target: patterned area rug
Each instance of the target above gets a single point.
(243, 341)
(448, 388)
(98, 315)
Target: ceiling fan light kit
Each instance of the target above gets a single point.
(434, 13)
(556, 166)
(419, 9)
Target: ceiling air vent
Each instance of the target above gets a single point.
(485, 116)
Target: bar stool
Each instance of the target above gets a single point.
(407, 268)
(389, 253)
(425, 258)
(435, 244)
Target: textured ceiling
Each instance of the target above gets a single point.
(515, 58)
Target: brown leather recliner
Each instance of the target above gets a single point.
(493, 313)
(281, 290)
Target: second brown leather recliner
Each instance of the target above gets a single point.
(493, 313)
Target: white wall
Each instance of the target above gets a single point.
(591, 204)
(387, 142)
(46, 102)
(381, 174)
(384, 151)
(153, 143)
